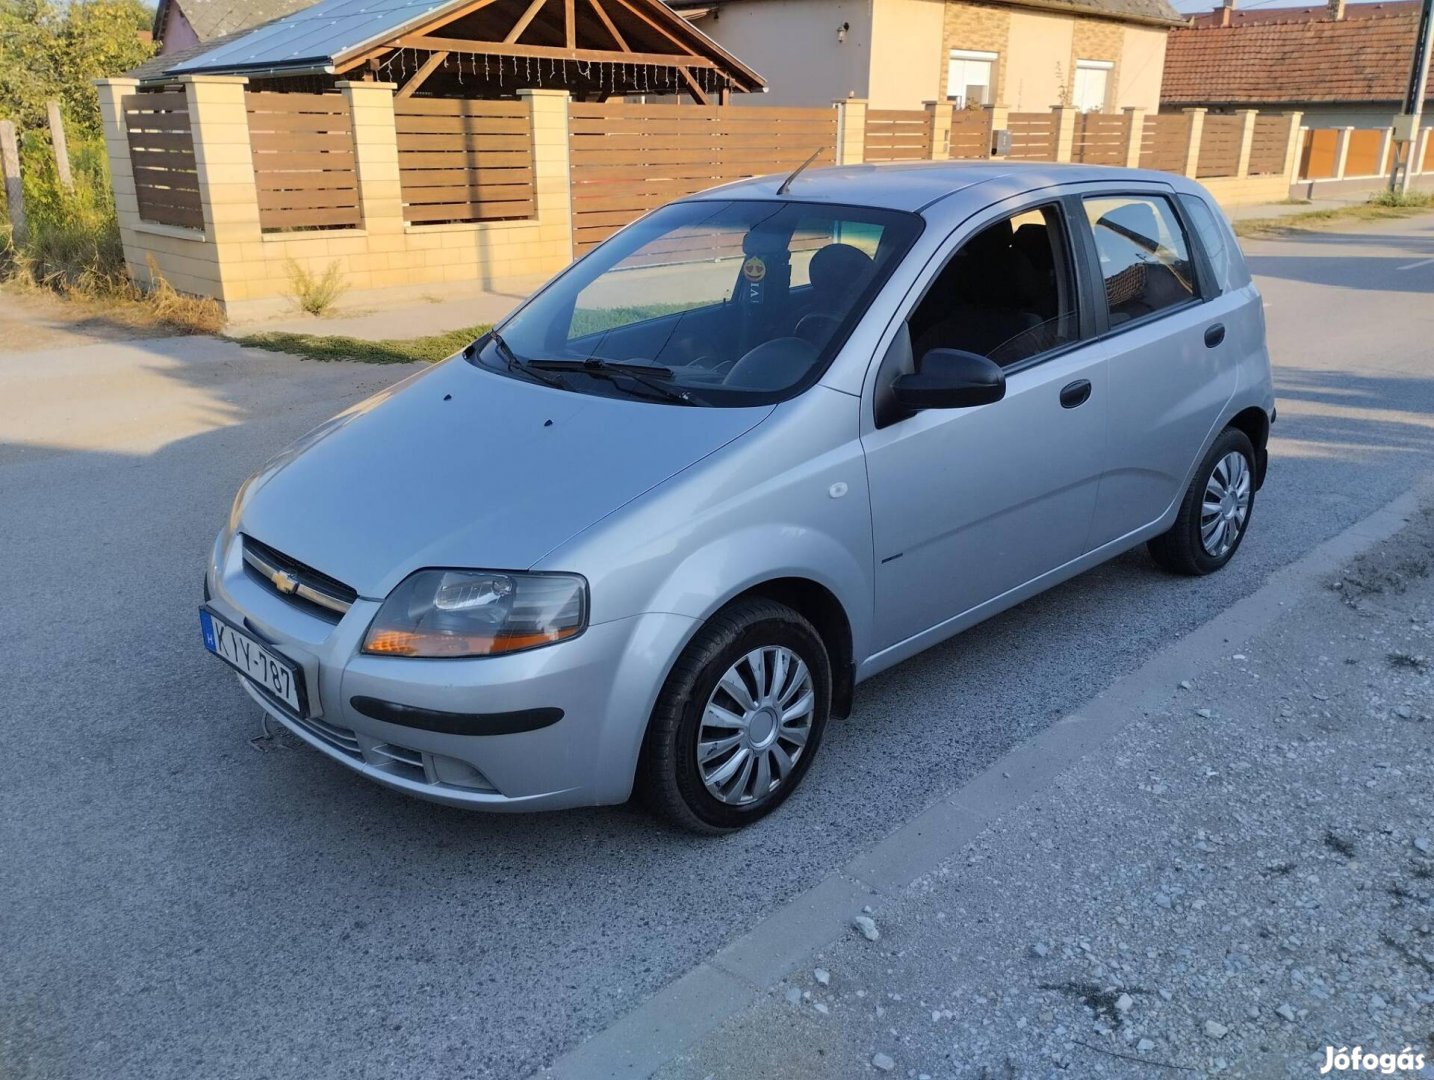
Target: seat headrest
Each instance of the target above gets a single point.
(839, 268)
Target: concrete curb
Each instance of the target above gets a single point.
(686, 1010)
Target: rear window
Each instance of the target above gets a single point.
(1144, 256)
(1218, 240)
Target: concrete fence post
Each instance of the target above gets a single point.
(1192, 145)
(14, 186)
(112, 93)
(60, 145)
(552, 173)
(1000, 120)
(1247, 140)
(940, 114)
(1065, 118)
(224, 162)
(851, 131)
(1341, 151)
(1294, 145)
(375, 154)
(1134, 135)
(1386, 144)
(1421, 150)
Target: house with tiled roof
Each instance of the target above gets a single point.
(1342, 66)
(183, 25)
(1029, 55)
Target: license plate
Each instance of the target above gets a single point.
(254, 660)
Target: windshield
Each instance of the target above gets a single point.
(730, 303)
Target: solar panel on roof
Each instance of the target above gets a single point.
(315, 35)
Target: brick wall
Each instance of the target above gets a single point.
(1095, 39)
(979, 27)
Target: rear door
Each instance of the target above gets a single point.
(1171, 369)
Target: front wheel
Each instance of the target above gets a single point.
(739, 719)
(1215, 513)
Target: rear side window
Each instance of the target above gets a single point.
(1218, 240)
(1144, 255)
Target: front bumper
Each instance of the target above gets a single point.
(604, 682)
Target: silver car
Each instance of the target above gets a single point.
(651, 532)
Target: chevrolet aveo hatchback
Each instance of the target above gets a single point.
(757, 447)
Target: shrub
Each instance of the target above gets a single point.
(1413, 200)
(316, 294)
(72, 242)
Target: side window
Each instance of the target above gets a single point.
(1144, 256)
(1216, 238)
(1006, 293)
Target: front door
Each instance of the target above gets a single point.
(968, 504)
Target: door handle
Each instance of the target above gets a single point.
(1075, 394)
(1214, 335)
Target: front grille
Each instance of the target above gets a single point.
(301, 585)
(340, 738)
(400, 760)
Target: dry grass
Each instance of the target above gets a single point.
(427, 350)
(1382, 207)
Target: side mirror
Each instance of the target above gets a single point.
(950, 379)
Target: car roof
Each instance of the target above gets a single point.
(914, 186)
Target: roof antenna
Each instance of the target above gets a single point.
(787, 183)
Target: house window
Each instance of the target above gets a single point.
(969, 79)
(1091, 83)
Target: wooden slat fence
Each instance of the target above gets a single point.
(161, 151)
(970, 134)
(1317, 154)
(898, 135)
(628, 159)
(303, 148)
(1363, 158)
(1164, 139)
(1033, 136)
(1267, 149)
(464, 160)
(1220, 146)
(1428, 163)
(1100, 139)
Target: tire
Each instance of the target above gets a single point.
(1183, 550)
(670, 779)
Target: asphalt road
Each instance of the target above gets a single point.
(177, 903)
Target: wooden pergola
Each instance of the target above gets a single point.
(595, 49)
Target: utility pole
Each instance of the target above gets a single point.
(1406, 125)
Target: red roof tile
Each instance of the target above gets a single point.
(1363, 59)
(1354, 10)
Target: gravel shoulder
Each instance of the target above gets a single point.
(1243, 878)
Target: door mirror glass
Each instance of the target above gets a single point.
(950, 379)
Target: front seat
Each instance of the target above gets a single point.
(991, 289)
(838, 274)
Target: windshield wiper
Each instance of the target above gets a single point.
(519, 366)
(645, 375)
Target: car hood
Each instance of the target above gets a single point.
(463, 467)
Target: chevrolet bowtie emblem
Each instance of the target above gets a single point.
(285, 582)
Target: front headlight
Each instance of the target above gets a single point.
(450, 613)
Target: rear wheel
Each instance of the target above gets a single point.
(739, 720)
(1215, 513)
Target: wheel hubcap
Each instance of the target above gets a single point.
(1226, 505)
(755, 726)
